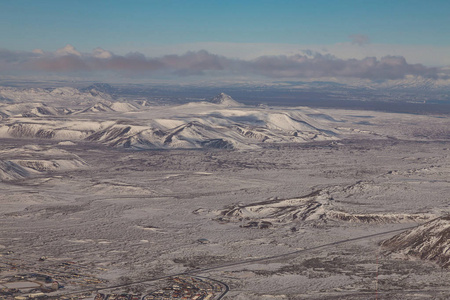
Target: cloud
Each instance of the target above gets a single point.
(12, 62)
(423, 54)
(309, 64)
(195, 63)
(67, 63)
(389, 67)
(15, 56)
(67, 50)
(101, 53)
(68, 59)
(359, 39)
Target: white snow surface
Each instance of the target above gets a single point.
(316, 190)
(220, 124)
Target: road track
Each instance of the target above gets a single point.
(239, 263)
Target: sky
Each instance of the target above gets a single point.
(365, 39)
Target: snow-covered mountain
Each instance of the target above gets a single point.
(317, 206)
(225, 100)
(108, 107)
(102, 89)
(122, 107)
(68, 114)
(428, 241)
(38, 102)
(30, 110)
(59, 96)
(21, 162)
(97, 107)
(223, 124)
(220, 129)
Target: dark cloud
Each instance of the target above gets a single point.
(359, 39)
(187, 64)
(66, 63)
(11, 61)
(11, 56)
(309, 65)
(136, 62)
(195, 63)
(389, 67)
(132, 62)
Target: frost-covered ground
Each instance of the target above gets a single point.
(127, 193)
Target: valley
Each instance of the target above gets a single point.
(274, 202)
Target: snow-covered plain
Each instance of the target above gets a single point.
(125, 192)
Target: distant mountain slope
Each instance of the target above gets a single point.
(122, 107)
(225, 100)
(62, 95)
(317, 206)
(30, 110)
(11, 171)
(430, 241)
(108, 107)
(194, 125)
(97, 107)
(99, 89)
(22, 162)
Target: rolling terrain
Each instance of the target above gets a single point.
(106, 195)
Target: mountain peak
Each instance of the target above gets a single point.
(224, 99)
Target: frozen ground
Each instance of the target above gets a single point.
(76, 197)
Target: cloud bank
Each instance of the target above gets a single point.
(308, 64)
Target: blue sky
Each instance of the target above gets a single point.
(25, 25)
(277, 39)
